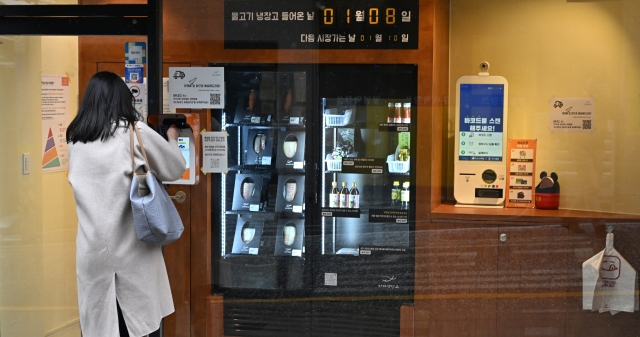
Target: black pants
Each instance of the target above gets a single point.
(122, 326)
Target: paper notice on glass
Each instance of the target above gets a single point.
(139, 92)
(165, 97)
(214, 145)
(572, 114)
(196, 87)
(55, 119)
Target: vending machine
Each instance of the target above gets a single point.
(314, 226)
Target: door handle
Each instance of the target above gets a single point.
(179, 197)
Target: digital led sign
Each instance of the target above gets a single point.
(334, 24)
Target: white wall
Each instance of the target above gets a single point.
(38, 294)
(554, 48)
(60, 294)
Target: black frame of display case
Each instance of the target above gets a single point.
(237, 167)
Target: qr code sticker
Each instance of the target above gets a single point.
(214, 163)
(214, 99)
(330, 279)
(134, 77)
(586, 124)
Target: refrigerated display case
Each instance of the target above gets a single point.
(288, 261)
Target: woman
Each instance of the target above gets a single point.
(114, 269)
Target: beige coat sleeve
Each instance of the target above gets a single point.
(165, 158)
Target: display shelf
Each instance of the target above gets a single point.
(263, 169)
(405, 174)
(365, 210)
(449, 212)
(251, 168)
(268, 125)
(376, 126)
(282, 215)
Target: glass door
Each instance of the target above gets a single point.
(365, 191)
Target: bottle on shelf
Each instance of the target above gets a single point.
(406, 113)
(395, 194)
(404, 196)
(398, 116)
(403, 155)
(392, 113)
(354, 196)
(344, 196)
(334, 196)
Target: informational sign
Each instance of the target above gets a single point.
(139, 92)
(334, 24)
(196, 87)
(134, 73)
(363, 165)
(165, 97)
(340, 212)
(55, 119)
(481, 127)
(214, 145)
(572, 114)
(135, 52)
(372, 250)
(522, 167)
(393, 127)
(388, 215)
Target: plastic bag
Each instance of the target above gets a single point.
(609, 282)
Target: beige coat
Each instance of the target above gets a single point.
(110, 261)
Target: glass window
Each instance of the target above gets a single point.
(38, 223)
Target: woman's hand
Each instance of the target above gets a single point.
(173, 133)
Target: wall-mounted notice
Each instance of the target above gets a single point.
(139, 92)
(572, 114)
(214, 145)
(135, 52)
(55, 119)
(196, 87)
(521, 158)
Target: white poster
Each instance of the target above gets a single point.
(55, 120)
(139, 92)
(196, 87)
(165, 97)
(214, 154)
(572, 114)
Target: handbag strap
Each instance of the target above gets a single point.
(144, 154)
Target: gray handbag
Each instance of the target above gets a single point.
(156, 218)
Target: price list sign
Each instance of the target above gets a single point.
(359, 24)
(363, 165)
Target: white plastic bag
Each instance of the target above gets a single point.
(609, 282)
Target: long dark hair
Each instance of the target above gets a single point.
(107, 101)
